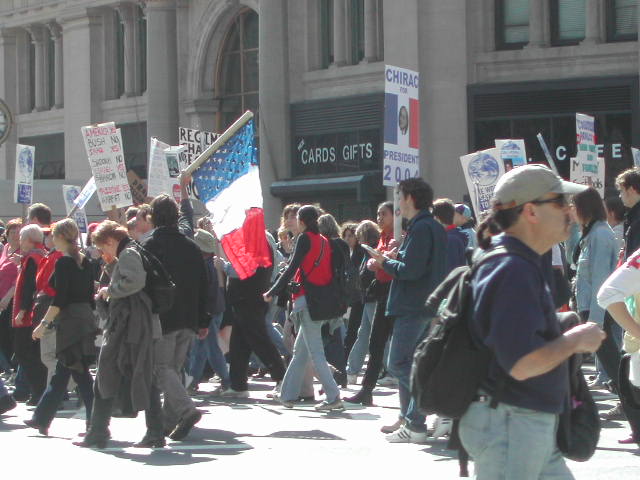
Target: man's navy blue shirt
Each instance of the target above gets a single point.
(514, 315)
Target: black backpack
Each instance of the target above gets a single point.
(345, 272)
(448, 366)
(159, 285)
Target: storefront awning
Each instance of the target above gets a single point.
(363, 186)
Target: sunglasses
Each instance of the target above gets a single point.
(560, 201)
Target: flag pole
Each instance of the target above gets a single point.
(221, 140)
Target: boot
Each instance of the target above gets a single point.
(98, 432)
(363, 397)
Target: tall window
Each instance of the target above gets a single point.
(512, 24)
(622, 20)
(567, 21)
(142, 51)
(31, 49)
(238, 75)
(356, 16)
(326, 32)
(119, 56)
(51, 70)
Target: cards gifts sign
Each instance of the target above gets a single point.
(482, 170)
(103, 144)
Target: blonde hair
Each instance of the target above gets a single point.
(67, 229)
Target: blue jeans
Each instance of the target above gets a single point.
(274, 335)
(361, 345)
(408, 330)
(308, 346)
(511, 442)
(53, 395)
(208, 349)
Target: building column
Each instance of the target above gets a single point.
(58, 93)
(339, 33)
(83, 85)
(275, 130)
(536, 24)
(592, 33)
(39, 38)
(162, 71)
(370, 31)
(128, 17)
(9, 93)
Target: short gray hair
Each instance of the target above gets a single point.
(328, 226)
(33, 232)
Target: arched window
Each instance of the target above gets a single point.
(238, 70)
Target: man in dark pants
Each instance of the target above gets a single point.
(249, 332)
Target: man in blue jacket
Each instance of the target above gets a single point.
(417, 268)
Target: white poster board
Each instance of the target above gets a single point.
(158, 180)
(70, 193)
(512, 153)
(482, 170)
(87, 192)
(23, 186)
(586, 136)
(401, 159)
(175, 161)
(636, 157)
(588, 170)
(106, 156)
(195, 141)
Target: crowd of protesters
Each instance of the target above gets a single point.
(81, 317)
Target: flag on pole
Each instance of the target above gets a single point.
(228, 182)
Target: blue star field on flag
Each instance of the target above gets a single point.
(229, 163)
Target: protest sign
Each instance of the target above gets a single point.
(87, 192)
(158, 180)
(70, 193)
(23, 186)
(636, 157)
(512, 153)
(588, 170)
(195, 141)
(482, 170)
(138, 188)
(104, 148)
(176, 161)
(586, 135)
(401, 125)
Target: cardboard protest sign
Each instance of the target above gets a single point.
(23, 186)
(158, 180)
(586, 135)
(195, 141)
(104, 148)
(586, 170)
(401, 158)
(138, 188)
(176, 161)
(482, 170)
(87, 192)
(512, 153)
(70, 193)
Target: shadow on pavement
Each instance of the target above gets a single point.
(440, 450)
(304, 435)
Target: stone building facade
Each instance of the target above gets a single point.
(313, 71)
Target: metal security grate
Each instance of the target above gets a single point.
(338, 115)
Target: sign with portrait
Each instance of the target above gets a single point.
(23, 186)
(401, 159)
(512, 153)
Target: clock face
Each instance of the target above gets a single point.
(5, 121)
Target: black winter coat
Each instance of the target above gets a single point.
(183, 260)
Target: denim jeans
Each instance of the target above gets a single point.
(53, 395)
(408, 330)
(361, 345)
(209, 349)
(511, 442)
(308, 346)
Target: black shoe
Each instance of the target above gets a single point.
(185, 425)
(93, 440)
(7, 403)
(340, 378)
(33, 401)
(362, 398)
(41, 428)
(21, 396)
(150, 442)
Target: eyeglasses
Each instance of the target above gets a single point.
(560, 201)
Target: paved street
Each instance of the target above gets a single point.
(258, 438)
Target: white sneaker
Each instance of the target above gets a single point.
(231, 393)
(405, 435)
(325, 406)
(352, 379)
(275, 391)
(442, 427)
(281, 401)
(388, 381)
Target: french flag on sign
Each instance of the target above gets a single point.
(229, 185)
(401, 120)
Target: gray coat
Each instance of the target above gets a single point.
(126, 359)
